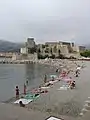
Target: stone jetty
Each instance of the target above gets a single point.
(17, 62)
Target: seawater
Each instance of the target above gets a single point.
(12, 75)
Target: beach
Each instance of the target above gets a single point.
(64, 102)
(67, 104)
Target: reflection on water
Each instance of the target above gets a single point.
(12, 75)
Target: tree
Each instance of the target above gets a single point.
(61, 56)
(43, 46)
(86, 53)
(53, 56)
(38, 54)
(46, 45)
(32, 50)
(42, 57)
(39, 51)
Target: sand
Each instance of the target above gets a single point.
(11, 112)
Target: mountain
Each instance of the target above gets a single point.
(6, 46)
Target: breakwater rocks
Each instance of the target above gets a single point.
(17, 62)
(51, 62)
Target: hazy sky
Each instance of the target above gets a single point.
(46, 20)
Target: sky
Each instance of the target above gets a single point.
(45, 20)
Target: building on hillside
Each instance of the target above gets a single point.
(23, 50)
(51, 43)
(68, 44)
(53, 48)
(29, 47)
(28, 51)
(30, 43)
(75, 49)
(63, 49)
(82, 48)
(56, 48)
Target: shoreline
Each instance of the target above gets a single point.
(56, 102)
(53, 63)
(41, 61)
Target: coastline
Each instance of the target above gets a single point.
(54, 64)
(55, 102)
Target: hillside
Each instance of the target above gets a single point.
(6, 46)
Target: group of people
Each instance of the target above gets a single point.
(72, 84)
(18, 91)
(70, 81)
(77, 72)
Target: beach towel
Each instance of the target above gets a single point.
(52, 82)
(53, 118)
(64, 87)
(67, 79)
(45, 87)
(31, 96)
(55, 76)
(24, 101)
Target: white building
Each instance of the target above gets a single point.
(23, 50)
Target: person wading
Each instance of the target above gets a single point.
(17, 92)
(25, 89)
(45, 79)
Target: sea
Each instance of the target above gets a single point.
(17, 74)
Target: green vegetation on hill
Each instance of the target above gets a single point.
(86, 53)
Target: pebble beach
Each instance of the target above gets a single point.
(66, 104)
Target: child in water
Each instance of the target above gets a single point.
(17, 92)
(45, 79)
(25, 89)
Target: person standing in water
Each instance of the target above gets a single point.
(27, 82)
(17, 92)
(45, 78)
(25, 89)
(76, 73)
